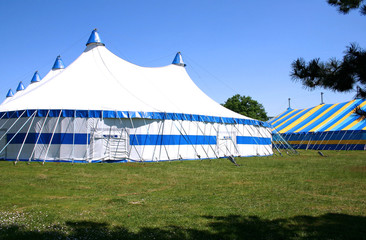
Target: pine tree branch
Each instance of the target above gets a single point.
(344, 6)
(361, 113)
(340, 76)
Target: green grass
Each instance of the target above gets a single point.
(292, 197)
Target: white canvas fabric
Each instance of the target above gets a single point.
(99, 80)
(52, 73)
(33, 127)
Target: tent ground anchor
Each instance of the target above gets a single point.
(232, 159)
(321, 154)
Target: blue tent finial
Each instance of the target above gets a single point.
(94, 39)
(20, 87)
(178, 60)
(58, 63)
(10, 93)
(36, 77)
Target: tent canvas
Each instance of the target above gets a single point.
(103, 108)
(324, 127)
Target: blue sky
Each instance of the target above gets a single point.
(230, 46)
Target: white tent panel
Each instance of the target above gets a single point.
(103, 108)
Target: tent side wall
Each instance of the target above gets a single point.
(57, 138)
(330, 140)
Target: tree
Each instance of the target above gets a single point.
(341, 76)
(246, 106)
(344, 6)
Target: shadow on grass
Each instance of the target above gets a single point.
(328, 226)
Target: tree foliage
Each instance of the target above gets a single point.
(246, 106)
(344, 6)
(341, 76)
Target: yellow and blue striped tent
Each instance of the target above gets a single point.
(324, 127)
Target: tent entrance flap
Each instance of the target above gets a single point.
(115, 145)
(225, 143)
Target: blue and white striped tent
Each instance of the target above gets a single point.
(103, 108)
(324, 127)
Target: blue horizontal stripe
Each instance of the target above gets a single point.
(142, 139)
(329, 146)
(253, 140)
(45, 138)
(331, 135)
(122, 160)
(132, 114)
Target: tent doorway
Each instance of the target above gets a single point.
(226, 142)
(116, 145)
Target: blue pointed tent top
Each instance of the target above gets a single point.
(94, 39)
(20, 87)
(10, 93)
(178, 60)
(58, 63)
(36, 77)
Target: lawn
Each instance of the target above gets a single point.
(303, 196)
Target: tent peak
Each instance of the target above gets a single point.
(20, 87)
(10, 93)
(36, 78)
(178, 60)
(58, 63)
(94, 39)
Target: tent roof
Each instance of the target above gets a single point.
(100, 80)
(324, 117)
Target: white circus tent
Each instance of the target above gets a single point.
(103, 108)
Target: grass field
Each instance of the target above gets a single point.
(292, 197)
